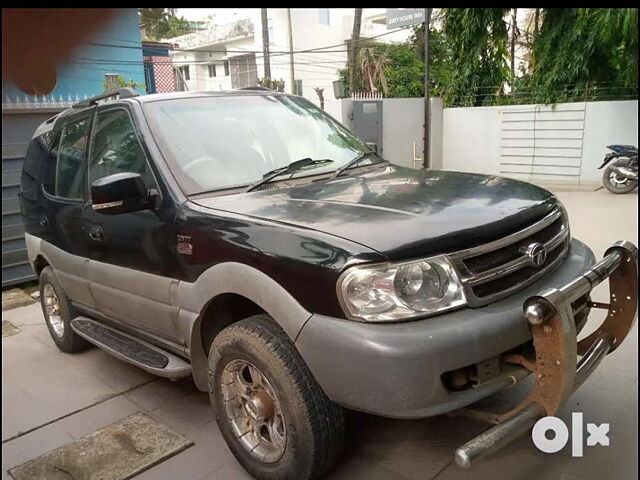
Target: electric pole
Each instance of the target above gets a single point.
(352, 50)
(293, 76)
(265, 43)
(426, 162)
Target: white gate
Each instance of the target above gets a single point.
(544, 143)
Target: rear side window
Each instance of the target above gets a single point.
(70, 162)
(50, 143)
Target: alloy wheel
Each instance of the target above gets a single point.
(253, 410)
(53, 311)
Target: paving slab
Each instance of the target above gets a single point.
(9, 329)
(28, 315)
(15, 298)
(19, 450)
(179, 404)
(41, 384)
(203, 460)
(116, 452)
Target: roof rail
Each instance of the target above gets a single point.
(120, 92)
(260, 89)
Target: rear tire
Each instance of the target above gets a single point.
(617, 188)
(308, 427)
(58, 313)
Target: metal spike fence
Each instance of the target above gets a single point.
(366, 96)
(37, 102)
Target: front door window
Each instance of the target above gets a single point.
(115, 148)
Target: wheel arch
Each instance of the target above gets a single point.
(39, 264)
(38, 259)
(229, 292)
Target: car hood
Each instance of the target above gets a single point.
(400, 212)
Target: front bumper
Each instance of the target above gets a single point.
(558, 373)
(394, 370)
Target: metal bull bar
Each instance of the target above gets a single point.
(557, 372)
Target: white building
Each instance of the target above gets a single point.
(229, 56)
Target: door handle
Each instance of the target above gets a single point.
(96, 234)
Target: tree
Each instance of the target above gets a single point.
(477, 69)
(123, 83)
(267, 82)
(514, 34)
(265, 42)
(404, 72)
(160, 23)
(438, 56)
(585, 53)
(352, 49)
(403, 69)
(371, 65)
(575, 54)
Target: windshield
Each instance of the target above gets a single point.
(214, 143)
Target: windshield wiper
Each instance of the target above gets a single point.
(291, 168)
(351, 163)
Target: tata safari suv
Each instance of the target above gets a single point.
(249, 240)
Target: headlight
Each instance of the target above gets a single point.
(399, 291)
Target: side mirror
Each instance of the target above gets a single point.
(372, 145)
(121, 193)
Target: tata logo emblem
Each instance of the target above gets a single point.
(536, 253)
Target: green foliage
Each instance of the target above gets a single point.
(476, 68)
(344, 76)
(469, 54)
(438, 59)
(123, 83)
(404, 73)
(585, 54)
(577, 54)
(404, 66)
(159, 23)
(393, 69)
(371, 63)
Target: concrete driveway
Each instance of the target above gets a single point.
(50, 398)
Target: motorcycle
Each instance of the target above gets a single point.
(621, 174)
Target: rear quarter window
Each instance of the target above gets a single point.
(50, 141)
(63, 171)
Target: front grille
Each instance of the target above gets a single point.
(497, 269)
(519, 277)
(495, 258)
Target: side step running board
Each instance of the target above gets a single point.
(131, 349)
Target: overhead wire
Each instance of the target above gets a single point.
(323, 49)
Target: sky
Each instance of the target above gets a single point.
(226, 15)
(223, 15)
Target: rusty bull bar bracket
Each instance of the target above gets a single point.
(557, 372)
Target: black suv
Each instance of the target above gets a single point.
(248, 239)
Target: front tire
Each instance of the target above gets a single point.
(274, 416)
(614, 184)
(58, 313)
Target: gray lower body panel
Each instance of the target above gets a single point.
(395, 370)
